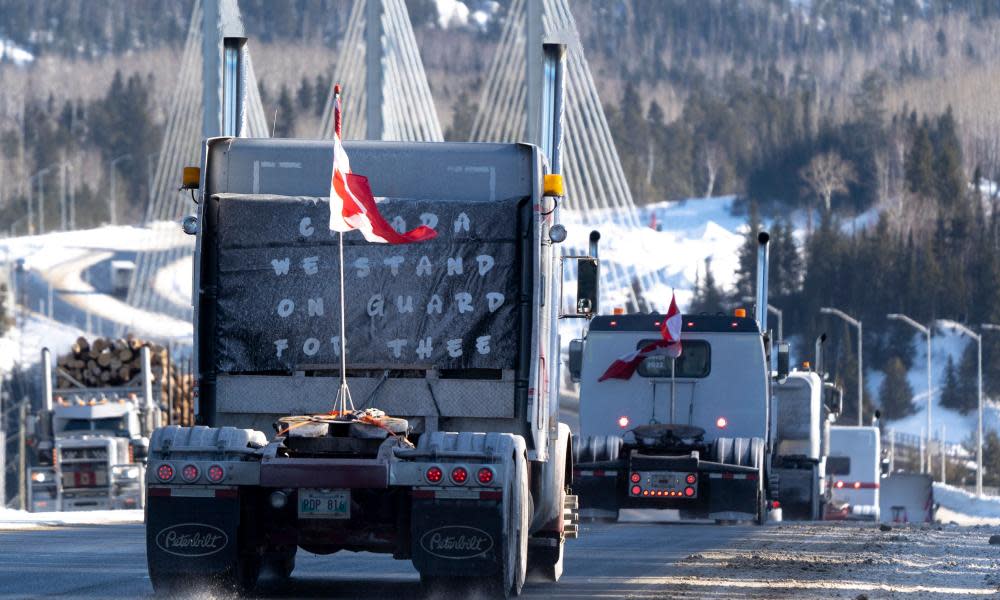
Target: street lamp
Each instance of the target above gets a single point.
(112, 200)
(826, 310)
(979, 424)
(930, 394)
(777, 312)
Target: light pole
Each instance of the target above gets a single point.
(979, 423)
(930, 394)
(777, 312)
(112, 200)
(826, 310)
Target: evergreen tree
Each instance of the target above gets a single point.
(919, 163)
(284, 125)
(304, 95)
(746, 273)
(895, 393)
(950, 394)
(708, 298)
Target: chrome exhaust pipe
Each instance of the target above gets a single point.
(762, 261)
(595, 236)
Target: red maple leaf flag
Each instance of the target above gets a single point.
(352, 205)
(670, 345)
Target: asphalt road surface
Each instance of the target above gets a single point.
(624, 560)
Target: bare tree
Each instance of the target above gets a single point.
(713, 160)
(827, 174)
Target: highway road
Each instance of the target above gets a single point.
(624, 560)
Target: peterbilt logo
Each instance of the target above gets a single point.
(191, 539)
(456, 541)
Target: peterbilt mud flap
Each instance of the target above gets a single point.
(191, 535)
(459, 538)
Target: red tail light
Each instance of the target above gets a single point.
(691, 478)
(857, 485)
(189, 473)
(485, 476)
(775, 504)
(635, 478)
(840, 484)
(721, 422)
(459, 475)
(434, 474)
(623, 421)
(216, 473)
(165, 472)
(636, 490)
(689, 491)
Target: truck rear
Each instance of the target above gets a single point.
(799, 464)
(454, 458)
(690, 436)
(854, 472)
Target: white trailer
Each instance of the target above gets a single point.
(853, 471)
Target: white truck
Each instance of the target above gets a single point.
(805, 407)
(853, 470)
(91, 443)
(694, 435)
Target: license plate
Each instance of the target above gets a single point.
(324, 504)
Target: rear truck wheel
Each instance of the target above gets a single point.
(755, 449)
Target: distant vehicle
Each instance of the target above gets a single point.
(907, 498)
(91, 444)
(804, 407)
(121, 276)
(853, 471)
(695, 435)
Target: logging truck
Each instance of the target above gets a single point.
(90, 442)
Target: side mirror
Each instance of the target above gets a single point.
(587, 286)
(833, 397)
(783, 360)
(575, 360)
(884, 467)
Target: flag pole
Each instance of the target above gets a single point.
(344, 394)
(673, 366)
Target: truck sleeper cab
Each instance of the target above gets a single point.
(695, 441)
(466, 472)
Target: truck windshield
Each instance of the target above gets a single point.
(118, 425)
(694, 361)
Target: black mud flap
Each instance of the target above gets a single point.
(732, 494)
(457, 537)
(191, 536)
(596, 485)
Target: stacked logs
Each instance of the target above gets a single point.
(107, 362)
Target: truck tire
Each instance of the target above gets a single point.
(755, 449)
(596, 448)
(723, 451)
(510, 580)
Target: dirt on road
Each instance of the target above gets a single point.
(841, 560)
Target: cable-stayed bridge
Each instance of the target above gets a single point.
(380, 69)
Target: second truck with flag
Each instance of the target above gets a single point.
(675, 412)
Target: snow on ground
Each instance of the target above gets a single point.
(689, 232)
(964, 508)
(174, 282)
(20, 519)
(24, 345)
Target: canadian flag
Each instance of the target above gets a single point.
(352, 205)
(670, 345)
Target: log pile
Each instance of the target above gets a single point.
(108, 362)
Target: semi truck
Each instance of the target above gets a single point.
(854, 471)
(453, 457)
(692, 434)
(805, 407)
(90, 443)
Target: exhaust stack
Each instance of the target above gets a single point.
(595, 236)
(820, 340)
(47, 379)
(762, 261)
